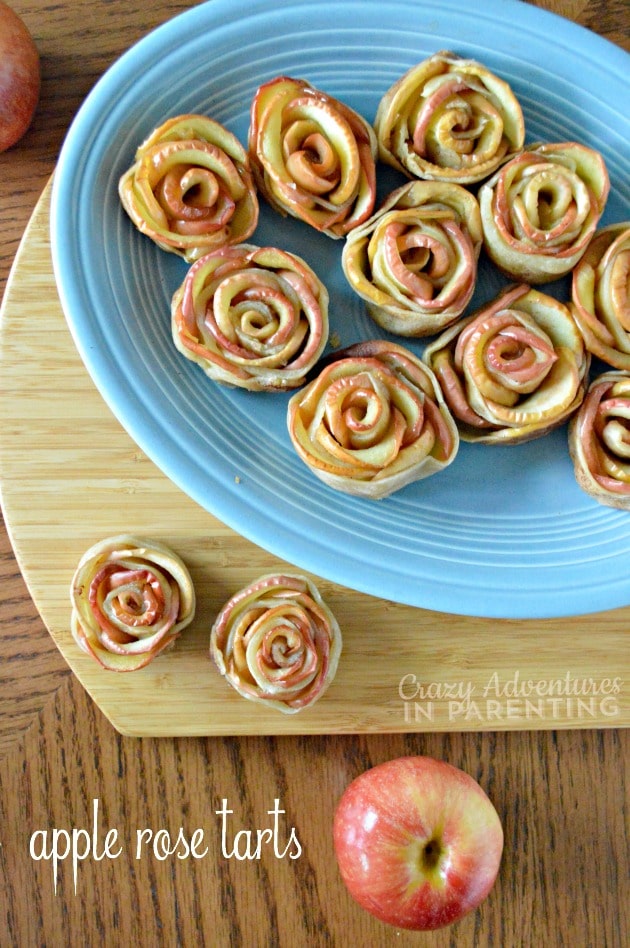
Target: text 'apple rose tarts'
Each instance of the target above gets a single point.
(131, 598)
(600, 295)
(599, 440)
(190, 188)
(373, 421)
(277, 642)
(414, 261)
(313, 157)
(449, 119)
(251, 317)
(540, 211)
(512, 371)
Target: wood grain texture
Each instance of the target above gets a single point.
(563, 796)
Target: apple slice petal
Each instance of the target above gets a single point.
(277, 642)
(251, 317)
(372, 421)
(415, 260)
(449, 119)
(190, 188)
(514, 369)
(599, 440)
(541, 209)
(313, 157)
(131, 598)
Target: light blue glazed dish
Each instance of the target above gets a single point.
(504, 531)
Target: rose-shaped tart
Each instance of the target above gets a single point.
(373, 421)
(313, 157)
(599, 440)
(449, 119)
(190, 188)
(131, 598)
(541, 209)
(601, 295)
(251, 317)
(277, 642)
(414, 261)
(513, 370)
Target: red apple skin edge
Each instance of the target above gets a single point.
(418, 842)
(19, 77)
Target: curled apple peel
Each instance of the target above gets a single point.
(251, 317)
(540, 211)
(512, 371)
(313, 157)
(131, 599)
(599, 440)
(414, 261)
(600, 295)
(449, 119)
(372, 421)
(190, 188)
(277, 642)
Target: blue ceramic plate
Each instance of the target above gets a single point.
(503, 531)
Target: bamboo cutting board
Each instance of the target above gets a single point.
(70, 475)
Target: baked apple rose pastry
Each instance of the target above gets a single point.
(190, 188)
(251, 317)
(600, 296)
(449, 119)
(313, 157)
(277, 642)
(512, 371)
(540, 211)
(599, 440)
(131, 598)
(414, 261)
(373, 421)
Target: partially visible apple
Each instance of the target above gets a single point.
(418, 842)
(19, 77)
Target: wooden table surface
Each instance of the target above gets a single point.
(562, 795)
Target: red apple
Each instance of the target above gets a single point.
(19, 77)
(418, 842)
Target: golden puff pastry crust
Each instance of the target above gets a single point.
(599, 440)
(449, 119)
(513, 370)
(414, 261)
(131, 598)
(190, 188)
(540, 210)
(600, 295)
(251, 317)
(313, 157)
(372, 421)
(277, 642)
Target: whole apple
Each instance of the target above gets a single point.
(418, 842)
(19, 77)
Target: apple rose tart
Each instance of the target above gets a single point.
(277, 642)
(251, 317)
(513, 370)
(373, 421)
(449, 119)
(541, 209)
(414, 261)
(313, 157)
(131, 598)
(599, 440)
(601, 295)
(190, 188)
